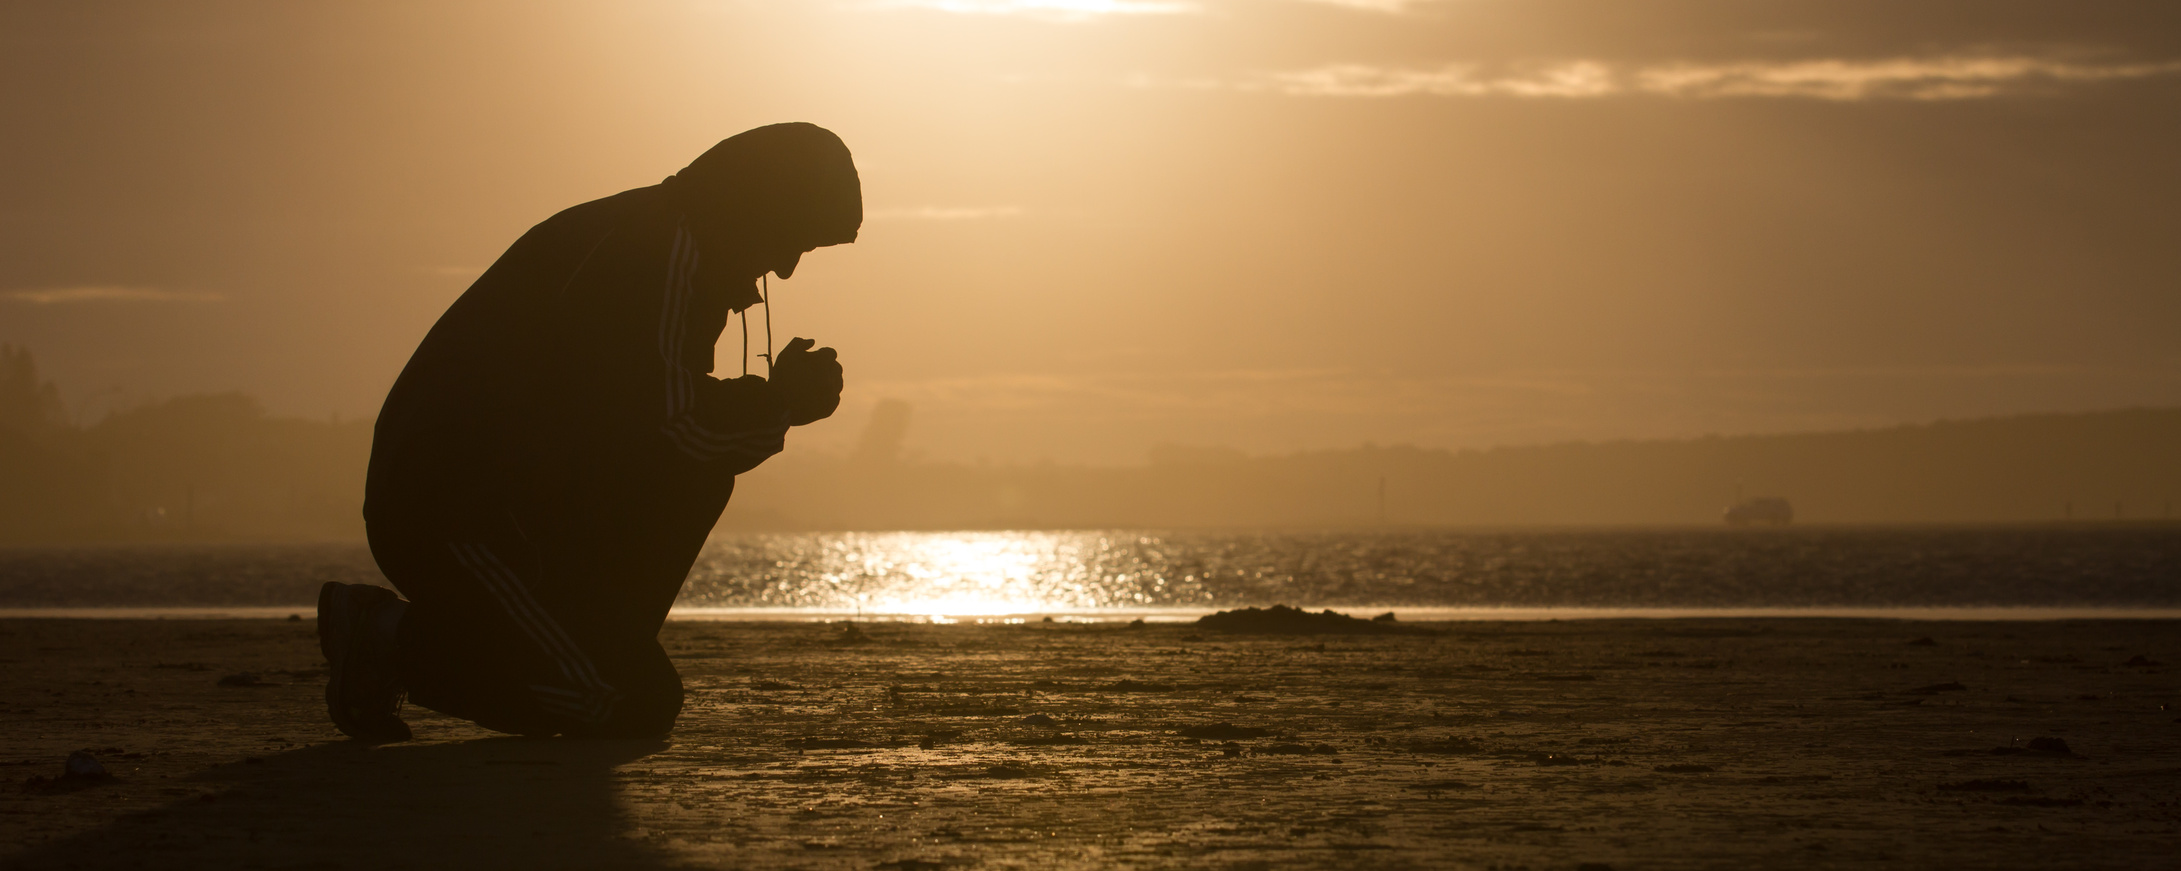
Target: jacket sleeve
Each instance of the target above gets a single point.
(735, 424)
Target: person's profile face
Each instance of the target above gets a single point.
(744, 249)
(783, 260)
(732, 263)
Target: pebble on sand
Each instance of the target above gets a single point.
(81, 764)
(80, 771)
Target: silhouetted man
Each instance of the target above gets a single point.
(549, 463)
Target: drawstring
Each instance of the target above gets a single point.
(764, 295)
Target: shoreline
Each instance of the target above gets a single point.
(1963, 613)
(1349, 527)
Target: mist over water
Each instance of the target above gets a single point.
(1015, 572)
(178, 575)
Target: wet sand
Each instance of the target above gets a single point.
(1630, 744)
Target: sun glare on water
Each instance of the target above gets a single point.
(949, 575)
(967, 577)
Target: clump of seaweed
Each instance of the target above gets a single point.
(1284, 620)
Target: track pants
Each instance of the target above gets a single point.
(521, 636)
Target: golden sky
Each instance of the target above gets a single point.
(1097, 225)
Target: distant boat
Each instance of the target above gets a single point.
(1763, 510)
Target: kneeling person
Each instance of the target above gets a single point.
(548, 465)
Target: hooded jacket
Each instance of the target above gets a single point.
(568, 391)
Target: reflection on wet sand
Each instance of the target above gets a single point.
(1632, 743)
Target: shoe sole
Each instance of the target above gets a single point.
(338, 635)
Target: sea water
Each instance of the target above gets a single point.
(1105, 574)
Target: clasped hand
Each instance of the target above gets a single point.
(807, 381)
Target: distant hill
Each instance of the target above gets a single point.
(195, 467)
(219, 467)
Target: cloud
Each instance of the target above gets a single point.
(1935, 372)
(1083, 10)
(107, 293)
(944, 213)
(1579, 79)
(1393, 6)
(1940, 78)
(1950, 77)
(1054, 10)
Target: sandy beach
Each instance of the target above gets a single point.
(1728, 743)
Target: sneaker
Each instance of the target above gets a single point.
(355, 631)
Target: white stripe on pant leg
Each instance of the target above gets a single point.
(514, 610)
(517, 609)
(475, 562)
(558, 699)
(600, 696)
(476, 567)
(542, 631)
(552, 629)
(523, 612)
(574, 710)
(558, 642)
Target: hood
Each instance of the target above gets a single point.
(798, 179)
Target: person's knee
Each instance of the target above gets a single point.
(646, 708)
(651, 715)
